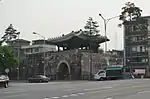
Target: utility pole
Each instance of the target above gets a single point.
(124, 52)
(90, 55)
(105, 27)
(18, 75)
(43, 52)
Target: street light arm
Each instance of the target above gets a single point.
(112, 18)
(102, 17)
(105, 26)
(39, 35)
(107, 20)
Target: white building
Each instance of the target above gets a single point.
(38, 46)
(32, 49)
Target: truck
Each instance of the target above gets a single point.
(110, 72)
(4, 80)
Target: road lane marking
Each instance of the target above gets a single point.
(70, 89)
(80, 93)
(143, 92)
(91, 89)
(136, 82)
(115, 84)
(138, 86)
(107, 87)
(73, 95)
(109, 98)
(97, 88)
(65, 96)
(55, 97)
(133, 86)
(14, 90)
(11, 92)
(47, 98)
(94, 92)
(19, 95)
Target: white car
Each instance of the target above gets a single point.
(4, 80)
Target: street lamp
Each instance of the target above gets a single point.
(44, 51)
(105, 26)
(18, 73)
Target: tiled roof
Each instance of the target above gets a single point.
(79, 34)
(20, 40)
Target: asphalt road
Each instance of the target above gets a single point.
(119, 89)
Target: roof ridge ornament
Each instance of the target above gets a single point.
(77, 33)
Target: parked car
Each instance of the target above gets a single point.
(4, 80)
(38, 78)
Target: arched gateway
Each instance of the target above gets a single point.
(63, 70)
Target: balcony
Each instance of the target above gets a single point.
(136, 54)
(138, 63)
(142, 41)
(131, 43)
(136, 33)
(141, 54)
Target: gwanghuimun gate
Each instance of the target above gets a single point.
(77, 56)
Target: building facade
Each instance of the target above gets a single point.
(36, 56)
(30, 56)
(136, 45)
(18, 52)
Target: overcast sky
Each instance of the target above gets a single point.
(53, 18)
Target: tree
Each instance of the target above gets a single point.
(130, 12)
(10, 34)
(91, 27)
(7, 58)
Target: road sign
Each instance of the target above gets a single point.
(7, 70)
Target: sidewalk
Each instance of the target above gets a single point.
(54, 81)
(19, 81)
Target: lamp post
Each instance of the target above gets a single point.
(44, 51)
(18, 75)
(105, 26)
(90, 60)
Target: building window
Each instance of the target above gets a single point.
(137, 27)
(148, 28)
(27, 50)
(36, 50)
(131, 28)
(134, 48)
(139, 59)
(146, 48)
(134, 39)
(137, 38)
(143, 49)
(31, 50)
(138, 49)
(144, 60)
(144, 26)
(135, 59)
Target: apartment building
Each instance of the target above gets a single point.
(136, 45)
